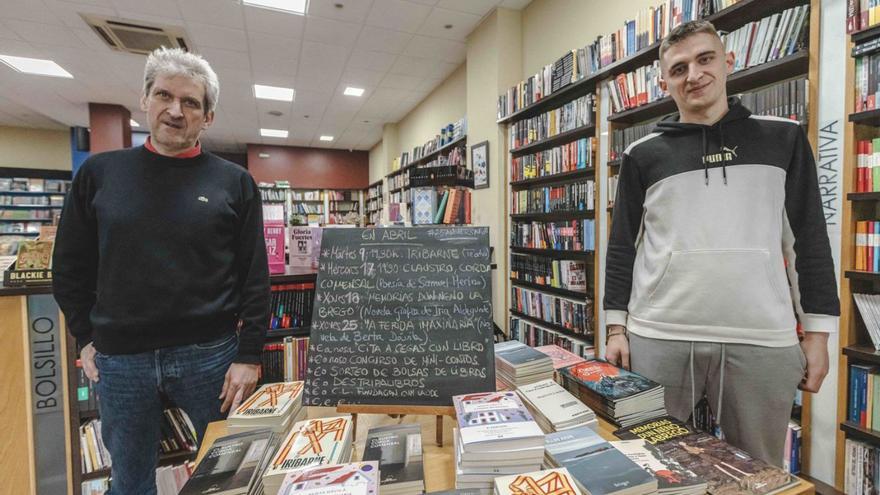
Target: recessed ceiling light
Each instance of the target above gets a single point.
(448, 26)
(275, 113)
(350, 91)
(292, 6)
(279, 133)
(326, 138)
(37, 66)
(273, 93)
(133, 123)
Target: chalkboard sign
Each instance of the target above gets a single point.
(402, 316)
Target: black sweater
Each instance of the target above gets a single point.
(155, 252)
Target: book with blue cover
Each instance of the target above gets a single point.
(424, 205)
(595, 465)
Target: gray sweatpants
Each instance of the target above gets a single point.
(755, 386)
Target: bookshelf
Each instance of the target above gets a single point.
(431, 170)
(373, 203)
(30, 199)
(855, 343)
(530, 170)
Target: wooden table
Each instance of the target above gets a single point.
(438, 461)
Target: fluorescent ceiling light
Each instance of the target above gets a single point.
(133, 123)
(350, 91)
(292, 6)
(273, 92)
(326, 138)
(279, 133)
(37, 66)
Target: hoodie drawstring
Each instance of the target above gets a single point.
(720, 387)
(705, 165)
(693, 387)
(723, 153)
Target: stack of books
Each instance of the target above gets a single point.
(313, 442)
(233, 464)
(357, 478)
(550, 481)
(518, 364)
(723, 467)
(398, 450)
(596, 466)
(274, 406)
(554, 408)
(620, 396)
(561, 358)
(496, 435)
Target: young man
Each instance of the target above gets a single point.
(712, 208)
(159, 258)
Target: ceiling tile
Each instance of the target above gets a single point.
(219, 57)
(273, 22)
(437, 48)
(352, 10)
(226, 13)
(414, 66)
(167, 8)
(274, 72)
(361, 78)
(69, 14)
(398, 15)
(425, 2)
(7, 34)
(476, 7)
(33, 11)
(441, 70)
(207, 35)
(377, 61)
(44, 34)
(515, 4)
(274, 47)
(383, 40)
(400, 81)
(331, 32)
(462, 24)
(90, 39)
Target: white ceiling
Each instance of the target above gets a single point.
(398, 50)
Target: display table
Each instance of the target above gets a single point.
(438, 461)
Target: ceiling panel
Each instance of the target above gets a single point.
(33, 10)
(370, 60)
(351, 11)
(461, 24)
(398, 15)
(331, 32)
(226, 13)
(207, 35)
(44, 34)
(273, 22)
(383, 40)
(476, 7)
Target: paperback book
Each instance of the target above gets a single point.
(357, 478)
(230, 465)
(398, 451)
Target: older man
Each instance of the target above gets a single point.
(160, 269)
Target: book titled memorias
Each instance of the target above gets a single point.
(672, 477)
(229, 465)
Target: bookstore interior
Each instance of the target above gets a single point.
(472, 283)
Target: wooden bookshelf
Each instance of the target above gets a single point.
(727, 20)
(553, 326)
(563, 254)
(555, 216)
(439, 151)
(561, 178)
(755, 77)
(548, 289)
(855, 343)
(552, 141)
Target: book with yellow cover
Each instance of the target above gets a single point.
(274, 405)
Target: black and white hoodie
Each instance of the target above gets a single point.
(704, 221)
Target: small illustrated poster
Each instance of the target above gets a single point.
(305, 245)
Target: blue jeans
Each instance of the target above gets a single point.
(129, 387)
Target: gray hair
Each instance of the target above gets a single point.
(179, 62)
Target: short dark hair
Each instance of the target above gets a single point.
(686, 30)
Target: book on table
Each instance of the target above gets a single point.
(230, 464)
(554, 408)
(398, 450)
(356, 478)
